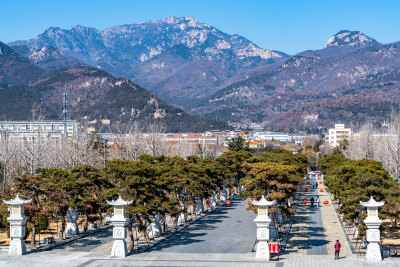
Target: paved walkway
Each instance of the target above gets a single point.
(225, 230)
(317, 244)
(298, 239)
(93, 259)
(307, 235)
(333, 228)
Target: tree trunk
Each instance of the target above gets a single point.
(164, 224)
(131, 240)
(61, 234)
(85, 227)
(33, 235)
(101, 218)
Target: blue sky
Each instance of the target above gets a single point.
(288, 26)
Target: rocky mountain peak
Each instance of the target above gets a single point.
(188, 21)
(351, 38)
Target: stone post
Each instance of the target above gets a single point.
(155, 227)
(72, 217)
(182, 215)
(119, 221)
(17, 221)
(262, 221)
(373, 234)
(213, 202)
(199, 206)
(222, 197)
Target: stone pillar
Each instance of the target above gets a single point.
(262, 221)
(155, 227)
(223, 197)
(72, 217)
(17, 221)
(182, 215)
(119, 221)
(199, 206)
(213, 202)
(373, 234)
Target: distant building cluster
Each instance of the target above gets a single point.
(56, 130)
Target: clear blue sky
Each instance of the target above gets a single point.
(288, 26)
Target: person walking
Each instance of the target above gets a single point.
(337, 249)
(312, 201)
(317, 201)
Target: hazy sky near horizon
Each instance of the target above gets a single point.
(284, 25)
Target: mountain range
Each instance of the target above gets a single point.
(179, 59)
(353, 79)
(95, 98)
(215, 75)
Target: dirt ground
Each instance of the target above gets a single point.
(391, 235)
(52, 230)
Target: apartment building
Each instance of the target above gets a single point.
(338, 134)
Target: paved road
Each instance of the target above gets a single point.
(225, 230)
(90, 242)
(317, 243)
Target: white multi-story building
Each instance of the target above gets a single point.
(338, 134)
(34, 129)
(273, 136)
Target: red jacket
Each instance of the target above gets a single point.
(337, 246)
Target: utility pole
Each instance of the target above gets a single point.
(5, 162)
(65, 109)
(104, 151)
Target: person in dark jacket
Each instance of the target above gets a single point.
(312, 201)
(337, 249)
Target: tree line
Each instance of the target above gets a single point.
(352, 181)
(159, 185)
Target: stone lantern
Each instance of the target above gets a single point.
(17, 221)
(119, 221)
(72, 217)
(373, 234)
(262, 221)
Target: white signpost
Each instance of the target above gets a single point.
(119, 221)
(373, 234)
(17, 221)
(262, 221)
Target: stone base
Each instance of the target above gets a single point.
(17, 247)
(373, 252)
(72, 228)
(262, 250)
(119, 249)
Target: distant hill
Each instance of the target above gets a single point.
(15, 69)
(178, 58)
(353, 79)
(95, 98)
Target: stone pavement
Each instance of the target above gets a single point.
(333, 228)
(92, 259)
(225, 230)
